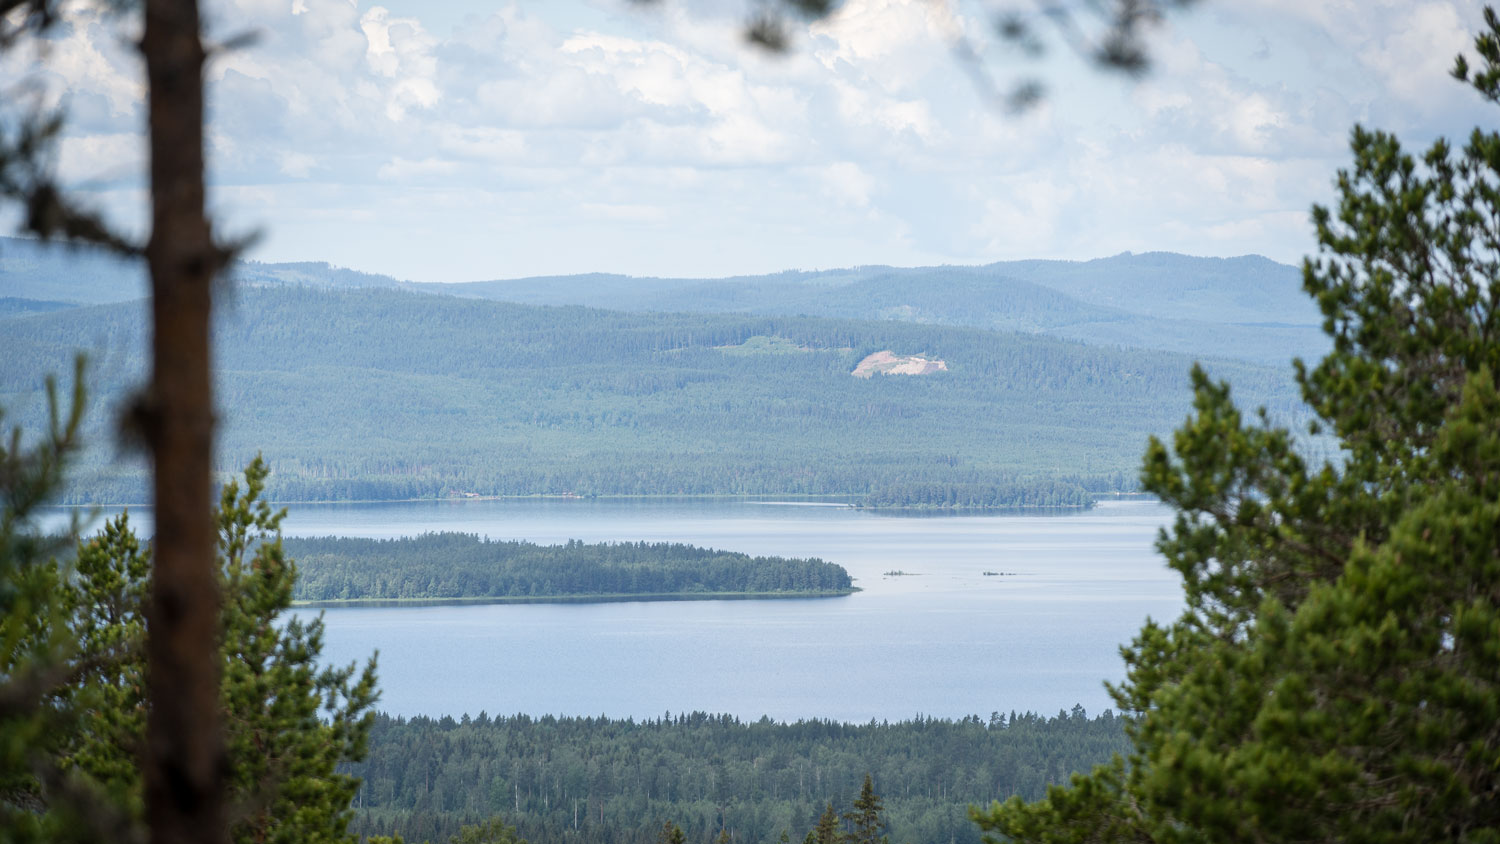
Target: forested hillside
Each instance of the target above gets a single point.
(616, 781)
(1248, 289)
(1248, 307)
(382, 394)
(439, 566)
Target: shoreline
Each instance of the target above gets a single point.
(831, 500)
(617, 598)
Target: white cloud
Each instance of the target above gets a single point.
(1418, 50)
(543, 127)
(403, 170)
(482, 143)
(298, 165)
(1250, 119)
(568, 97)
(85, 55)
(848, 183)
(400, 50)
(889, 41)
(102, 159)
(1389, 57)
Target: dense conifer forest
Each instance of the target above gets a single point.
(456, 565)
(616, 781)
(384, 394)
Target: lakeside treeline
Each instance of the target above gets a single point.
(957, 496)
(615, 781)
(438, 566)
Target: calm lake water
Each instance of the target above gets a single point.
(945, 640)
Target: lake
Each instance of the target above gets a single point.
(945, 640)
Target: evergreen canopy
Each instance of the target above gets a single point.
(1336, 673)
(73, 668)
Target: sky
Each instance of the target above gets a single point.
(459, 140)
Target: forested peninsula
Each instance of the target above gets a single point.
(464, 568)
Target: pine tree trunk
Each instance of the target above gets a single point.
(184, 766)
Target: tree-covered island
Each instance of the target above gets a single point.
(464, 568)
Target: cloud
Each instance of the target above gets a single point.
(361, 135)
(1390, 57)
(848, 183)
(298, 165)
(887, 41)
(103, 159)
(1418, 49)
(84, 56)
(482, 143)
(399, 50)
(403, 170)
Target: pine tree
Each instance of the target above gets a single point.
(39, 798)
(827, 830)
(867, 821)
(290, 723)
(670, 833)
(1336, 674)
(105, 601)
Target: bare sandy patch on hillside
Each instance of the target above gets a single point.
(888, 363)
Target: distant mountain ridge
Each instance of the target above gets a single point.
(1247, 289)
(1249, 307)
(64, 275)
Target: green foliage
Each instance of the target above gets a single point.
(979, 496)
(1336, 674)
(866, 819)
(827, 830)
(613, 781)
(671, 833)
(105, 603)
(41, 799)
(456, 565)
(493, 831)
(760, 344)
(1487, 45)
(289, 723)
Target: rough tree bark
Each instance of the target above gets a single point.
(184, 765)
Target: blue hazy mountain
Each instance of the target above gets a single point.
(84, 276)
(1248, 307)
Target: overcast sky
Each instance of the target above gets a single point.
(456, 140)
